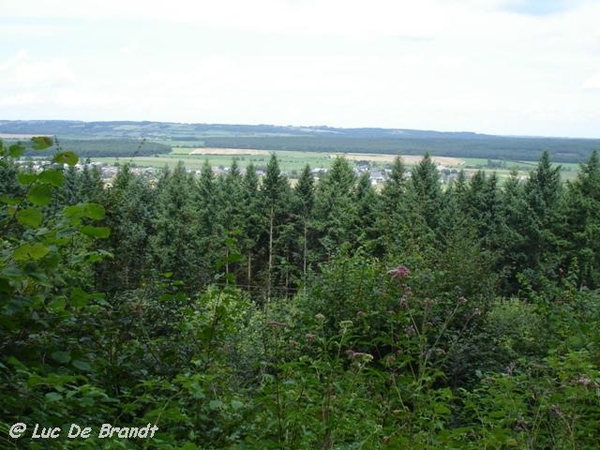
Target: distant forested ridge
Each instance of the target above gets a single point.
(316, 139)
(118, 148)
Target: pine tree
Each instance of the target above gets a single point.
(367, 208)
(393, 221)
(129, 214)
(425, 185)
(305, 195)
(543, 193)
(335, 209)
(174, 246)
(584, 223)
(274, 190)
(254, 220)
(229, 214)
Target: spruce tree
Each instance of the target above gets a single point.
(367, 209)
(335, 209)
(254, 221)
(584, 223)
(274, 190)
(305, 195)
(129, 214)
(393, 221)
(174, 246)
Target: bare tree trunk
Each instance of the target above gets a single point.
(249, 275)
(270, 254)
(304, 256)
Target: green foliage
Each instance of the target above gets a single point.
(177, 304)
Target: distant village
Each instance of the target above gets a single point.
(108, 171)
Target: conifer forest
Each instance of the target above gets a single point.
(240, 311)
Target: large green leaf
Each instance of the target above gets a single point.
(69, 158)
(16, 150)
(10, 200)
(75, 213)
(81, 365)
(94, 211)
(97, 232)
(30, 217)
(38, 250)
(53, 397)
(42, 142)
(29, 251)
(62, 357)
(40, 194)
(79, 297)
(53, 177)
(26, 178)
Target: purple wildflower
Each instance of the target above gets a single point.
(310, 337)
(399, 272)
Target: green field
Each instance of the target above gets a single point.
(292, 162)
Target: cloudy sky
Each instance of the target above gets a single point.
(514, 67)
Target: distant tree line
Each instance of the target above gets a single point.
(495, 147)
(314, 139)
(115, 148)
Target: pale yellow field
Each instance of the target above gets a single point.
(408, 159)
(229, 151)
(376, 157)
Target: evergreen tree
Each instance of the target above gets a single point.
(584, 223)
(229, 214)
(545, 214)
(9, 185)
(393, 221)
(92, 187)
(367, 209)
(482, 205)
(425, 185)
(512, 256)
(424, 212)
(254, 221)
(207, 231)
(275, 193)
(335, 209)
(305, 195)
(129, 214)
(174, 245)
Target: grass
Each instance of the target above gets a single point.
(288, 161)
(292, 162)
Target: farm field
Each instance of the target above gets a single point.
(292, 162)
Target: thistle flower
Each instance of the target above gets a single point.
(359, 356)
(399, 272)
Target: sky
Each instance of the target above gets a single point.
(509, 67)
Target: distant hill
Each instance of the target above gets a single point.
(309, 138)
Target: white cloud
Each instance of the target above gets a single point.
(592, 82)
(481, 65)
(88, 98)
(22, 99)
(23, 71)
